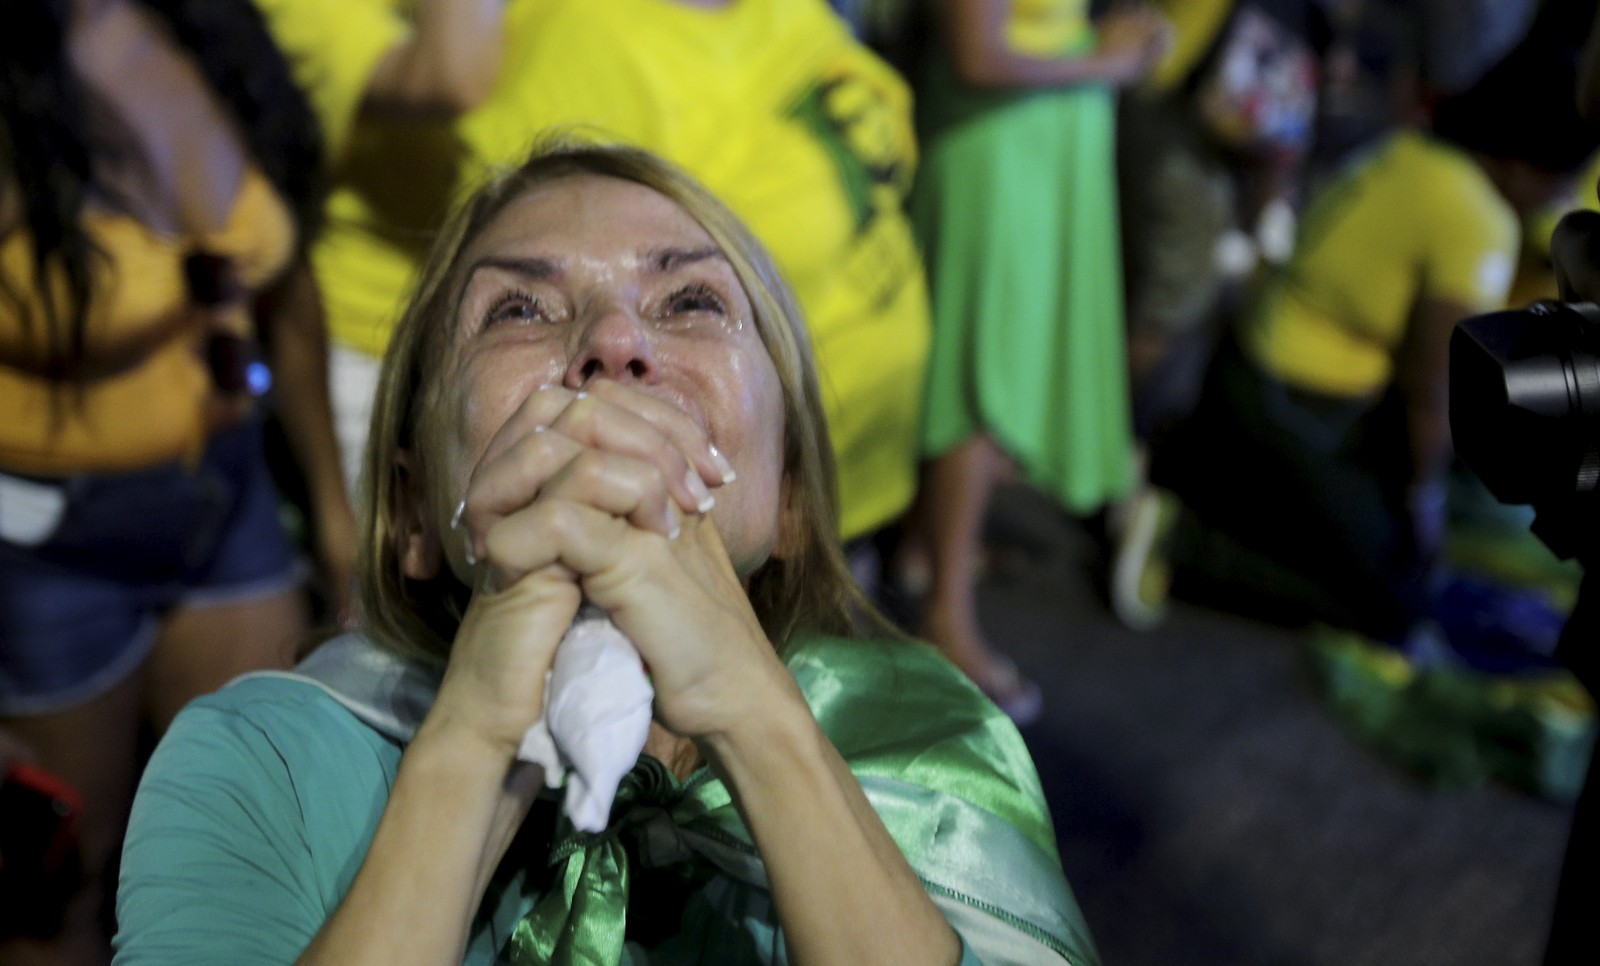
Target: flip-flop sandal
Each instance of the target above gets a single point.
(1019, 697)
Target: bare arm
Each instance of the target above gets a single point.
(556, 510)
(1423, 374)
(300, 359)
(447, 66)
(1129, 43)
(448, 821)
(459, 795)
(843, 890)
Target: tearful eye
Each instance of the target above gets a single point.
(515, 307)
(695, 298)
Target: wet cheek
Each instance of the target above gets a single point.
(469, 422)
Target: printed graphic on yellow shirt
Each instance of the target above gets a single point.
(853, 125)
(856, 130)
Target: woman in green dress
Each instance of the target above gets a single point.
(1016, 212)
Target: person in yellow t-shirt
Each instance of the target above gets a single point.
(772, 103)
(1312, 473)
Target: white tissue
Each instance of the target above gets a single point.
(596, 717)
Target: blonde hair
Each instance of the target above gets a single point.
(807, 589)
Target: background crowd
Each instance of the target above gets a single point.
(1186, 268)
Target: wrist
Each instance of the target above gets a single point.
(469, 734)
(1117, 68)
(772, 735)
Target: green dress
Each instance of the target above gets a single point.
(1015, 208)
(260, 803)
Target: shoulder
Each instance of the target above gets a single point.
(911, 674)
(249, 822)
(273, 745)
(900, 710)
(267, 755)
(1455, 187)
(954, 784)
(287, 712)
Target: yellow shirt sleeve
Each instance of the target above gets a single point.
(1412, 219)
(1470, 256)
(1195, 26)
(332, 47)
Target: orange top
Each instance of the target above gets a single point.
(153, 410)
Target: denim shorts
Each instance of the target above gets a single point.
(90, 564)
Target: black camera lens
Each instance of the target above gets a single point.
(1525, 398)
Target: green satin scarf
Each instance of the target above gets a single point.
(583, 916)
(945, 770)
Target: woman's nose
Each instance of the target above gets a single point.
(615, 344)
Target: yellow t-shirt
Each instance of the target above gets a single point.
(1413, 219)
(153, 409)
(1046, 28)
(1195, 24)
(332, 49)
(771, 103)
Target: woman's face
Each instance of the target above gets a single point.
(589, 278)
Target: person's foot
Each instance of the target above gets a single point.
(995, 675)
(1018, 696)
(1141, 575)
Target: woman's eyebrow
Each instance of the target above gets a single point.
(535, 269)
(671, 259)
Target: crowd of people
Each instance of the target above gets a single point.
(348, 350)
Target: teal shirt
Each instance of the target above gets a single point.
(259, 804)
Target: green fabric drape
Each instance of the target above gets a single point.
(943, 768)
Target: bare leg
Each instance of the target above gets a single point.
(956, 494)
(1146, 352)
(203, 648)
(91, 747)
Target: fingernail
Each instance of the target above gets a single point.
(455, 518)
(472, 558)
(677, 528)
(697, 489)
(581, 395)
(726, 468)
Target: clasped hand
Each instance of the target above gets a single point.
(604, 495)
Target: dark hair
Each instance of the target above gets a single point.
(45, 154)
(1524, 108)
(47, 148)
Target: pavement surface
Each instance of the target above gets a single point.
(1210, 810)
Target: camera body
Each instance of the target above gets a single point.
(1525, 415)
